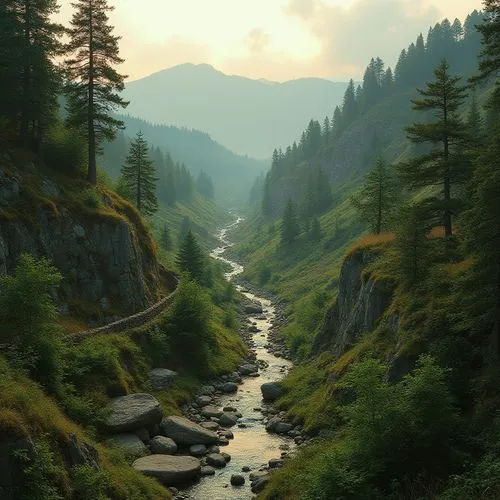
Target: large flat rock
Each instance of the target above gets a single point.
(185, 432)
(133, 412)
(168, 469)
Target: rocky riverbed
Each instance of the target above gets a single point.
(230, 438)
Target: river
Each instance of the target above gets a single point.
(252, 446)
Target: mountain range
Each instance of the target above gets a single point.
(250, 117)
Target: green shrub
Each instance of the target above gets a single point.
(88, 483)
(91, 199)
(41, 474)
(65, 150)
(29, 320)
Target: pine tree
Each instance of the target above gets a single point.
(411, 246)
(377, 198)
(94, 84)
(190, 258)
(166, 240)
(29, 41)
(442, 166)
(138, 175)
(290, 227)
(349, 107)
(184, 228)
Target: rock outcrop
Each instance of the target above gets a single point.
(360, 304)
(104, 252)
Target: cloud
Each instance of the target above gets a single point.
(349, 37)
(305, 9)
(258, 40)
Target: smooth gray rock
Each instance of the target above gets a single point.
(132, 412)
(283, 428)
(168, 469)
(228, 419)
(247, 369)
(162, 445)
(237, 480)
(230, 387)
(207, 471)
(203, 400)
(162, 379)
(272, 391)
(130, 444)
(211, 411)
(185, 432)
(216, 460)
(198, 450)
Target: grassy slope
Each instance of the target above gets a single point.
(104, 367)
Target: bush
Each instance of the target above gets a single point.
(65, 150)
(91, 199)
(88, 483)
(29, 320)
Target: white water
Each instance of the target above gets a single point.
(252, 446)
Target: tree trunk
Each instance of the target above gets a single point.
(23, 133)
(92, 169)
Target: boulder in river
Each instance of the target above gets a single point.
(229, 387)
(162, 445)
(228, 419)
(272, 391)
(162, 379)
(132, 412)
(237, 480)
(247, 369)
(185, 432)
(216, 460)
(168, 469)
(252, 308)
(211, 411)
(259, 484)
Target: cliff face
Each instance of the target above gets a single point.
(359, 305)
(97, 241)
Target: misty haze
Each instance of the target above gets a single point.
(249, 250)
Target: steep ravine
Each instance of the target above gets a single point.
(252, 446)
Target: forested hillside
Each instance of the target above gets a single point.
(231, 174)
(397, 330)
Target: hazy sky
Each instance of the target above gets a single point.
(273, 39)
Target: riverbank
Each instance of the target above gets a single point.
(254, 438)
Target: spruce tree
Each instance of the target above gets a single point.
(411, 246)
(377, 198)
(290, 227)
(94, 84)
(441, 167)
(29, 40)
(138, 175)
(190, 258)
